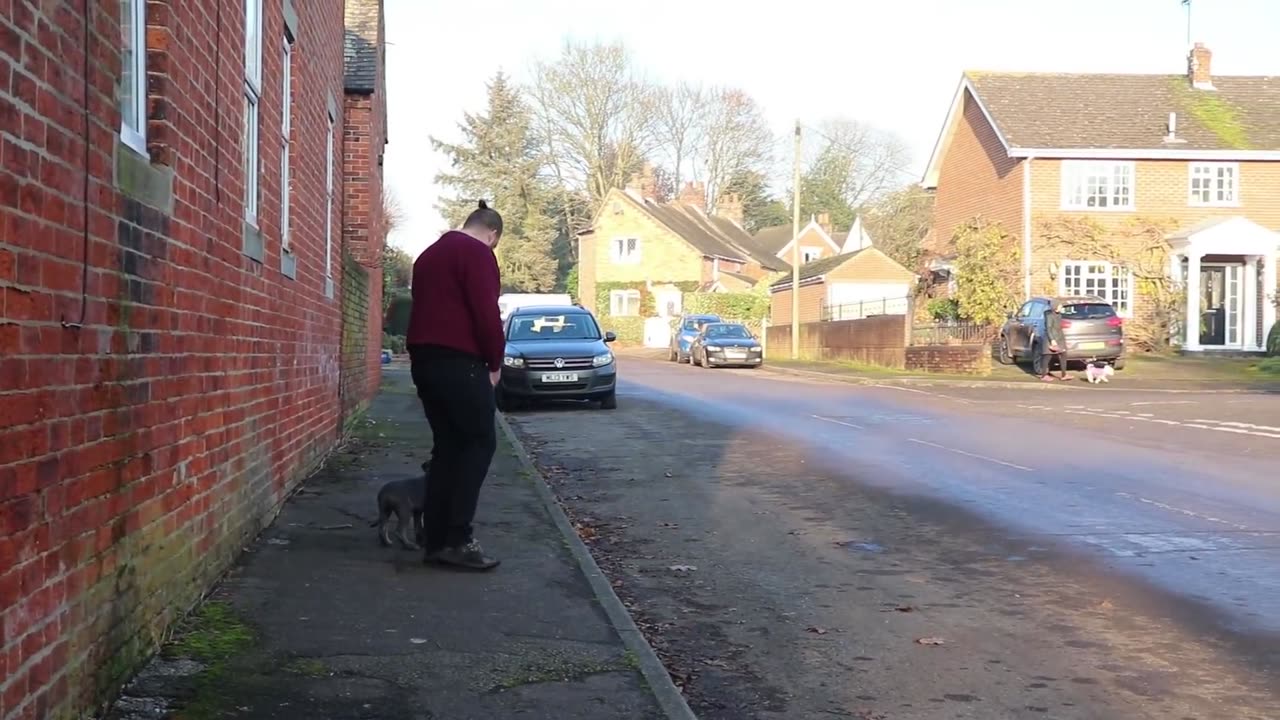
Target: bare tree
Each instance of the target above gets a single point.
(681, 123)
(862, 161)
(594, 115)
(737, 139)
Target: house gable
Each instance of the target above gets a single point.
(663, 255)
(811, 236)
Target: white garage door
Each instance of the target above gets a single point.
(852, 300)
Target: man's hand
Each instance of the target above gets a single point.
(494, 377)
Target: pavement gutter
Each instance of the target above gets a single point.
(669, 697)
(1000, 384)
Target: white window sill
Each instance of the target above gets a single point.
(1214, 205)
(134, 140)
(1127, 208)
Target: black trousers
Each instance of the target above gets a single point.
(459, 403)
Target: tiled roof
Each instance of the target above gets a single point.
(361, 47)
(776, 237)
(818, 268)
(1099, 111)
(710, 235)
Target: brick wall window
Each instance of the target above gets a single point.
(1097, 185)
(328, 206)
(286, 137)
(1213, 184)
(626, 251)
(252, 99)
(624, 303)
(1109, 281)
(133, 80)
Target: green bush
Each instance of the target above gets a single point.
(944, 309)
(394, 343)
(1273, 340)
(735, 306)
(397, 320)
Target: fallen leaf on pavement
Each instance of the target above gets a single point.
(715, 663)
(816, 630)
(901, 609)
(931, 641)
(683, 568)
(667, 474)
(668, 524)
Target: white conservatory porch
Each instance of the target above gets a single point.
(1228, 268)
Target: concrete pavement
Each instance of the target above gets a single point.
(788, 541)
(320, 621)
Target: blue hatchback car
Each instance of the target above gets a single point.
(686, 330)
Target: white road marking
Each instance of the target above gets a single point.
(1244, 425)
(969, 454)
(1227, 426)
(1163, 402)
(837, 422)
(1182, 511)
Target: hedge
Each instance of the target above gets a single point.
(738, 306)
(630, 330)
(1273, 340)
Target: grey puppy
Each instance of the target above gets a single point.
(402, 498)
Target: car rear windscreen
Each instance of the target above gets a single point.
(1087, 311)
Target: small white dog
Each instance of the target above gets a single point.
(1098, 372)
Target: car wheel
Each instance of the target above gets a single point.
(1118, 364)
(610, 401)
(1005, 357)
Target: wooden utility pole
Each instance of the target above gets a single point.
(795, 252)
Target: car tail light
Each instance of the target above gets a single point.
(1114, 321)
(1066, 324)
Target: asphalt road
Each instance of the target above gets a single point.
(1084, 553)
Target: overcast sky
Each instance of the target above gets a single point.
(892, 64)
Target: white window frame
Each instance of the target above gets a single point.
(328, 202)
(252, 108)
(1076, 177)
(808, 255)
(286, 139)
(1222, 191)
(1113, 282)
(133, 96)
(619, 253)
(619, 299)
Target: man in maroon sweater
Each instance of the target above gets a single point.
(456, 346)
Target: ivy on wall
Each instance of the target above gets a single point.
(1147, 257)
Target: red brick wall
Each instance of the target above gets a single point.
(160, 390)
(977, 177)
(950, 359)
(363, 229)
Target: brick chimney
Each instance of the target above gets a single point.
(824, 222)
(1198, 67)
(644, 183)
(729, 207)
(694, 195)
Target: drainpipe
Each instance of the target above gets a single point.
(1026, 228)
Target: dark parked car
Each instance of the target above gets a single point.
(1093, 330)
(686, 330)
(556, 353)
(726, 344)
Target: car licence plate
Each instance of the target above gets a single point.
(736, 354)
(1092, 346)
(560, 377)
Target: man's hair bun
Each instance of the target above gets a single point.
(484, 205)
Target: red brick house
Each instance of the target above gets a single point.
(187, 268)
(1179, 174)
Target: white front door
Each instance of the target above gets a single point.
(668, 303)
(1222, 305)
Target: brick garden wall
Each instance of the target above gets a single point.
(356, 380)
(364, 234)
(164, 382)
(950, 359)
